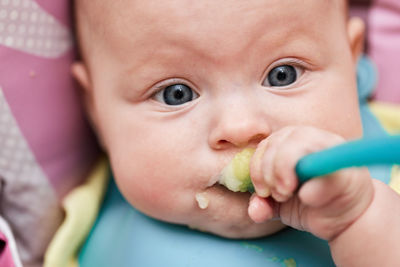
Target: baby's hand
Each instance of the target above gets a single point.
(323, 206)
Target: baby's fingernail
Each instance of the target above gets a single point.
(280, 197)
(263, 192)
(282, 190)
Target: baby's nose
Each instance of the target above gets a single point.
(239, 125)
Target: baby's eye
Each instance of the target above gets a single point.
(176, 94)
(283, 75)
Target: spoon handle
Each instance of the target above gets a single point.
(362, 152)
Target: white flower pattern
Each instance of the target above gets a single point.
(26, 27)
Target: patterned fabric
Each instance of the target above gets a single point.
(9, 255)
(27, 199)
(27, 27)
(46, 147)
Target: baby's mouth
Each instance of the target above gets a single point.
(217, 192)
(235, 177)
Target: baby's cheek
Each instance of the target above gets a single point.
(154, 180)
(154, 197)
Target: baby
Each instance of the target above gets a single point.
(176, 88)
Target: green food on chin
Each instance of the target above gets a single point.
(236, 175)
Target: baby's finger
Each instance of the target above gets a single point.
(261, 209)
(299, 142)
(334, 202)
(256, 171)
(261, 171)
(344, 184)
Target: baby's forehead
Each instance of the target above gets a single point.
(136, 22)
(110, 12)
(129, 14)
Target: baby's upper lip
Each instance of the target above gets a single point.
(225, 159)
(214, 180)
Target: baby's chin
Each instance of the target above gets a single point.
(224, 213)
(234, 231)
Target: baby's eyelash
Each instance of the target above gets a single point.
(157, 88)
(290, 61)
(279, 75)
(168, 82)
(174, 92)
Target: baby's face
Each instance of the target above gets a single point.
(176, 88)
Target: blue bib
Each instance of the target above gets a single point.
(123, 236)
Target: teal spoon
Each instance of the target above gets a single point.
(358, 153)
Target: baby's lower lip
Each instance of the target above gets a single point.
(235, 175)
(218, 189)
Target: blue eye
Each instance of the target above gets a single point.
(176, 94)
(283, 75)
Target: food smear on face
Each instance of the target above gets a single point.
(236, 175)
(202, 200)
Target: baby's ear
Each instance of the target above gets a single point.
(82, 75)
(355, 32)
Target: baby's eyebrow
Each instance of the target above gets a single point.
(179, 49)
(150, 63)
